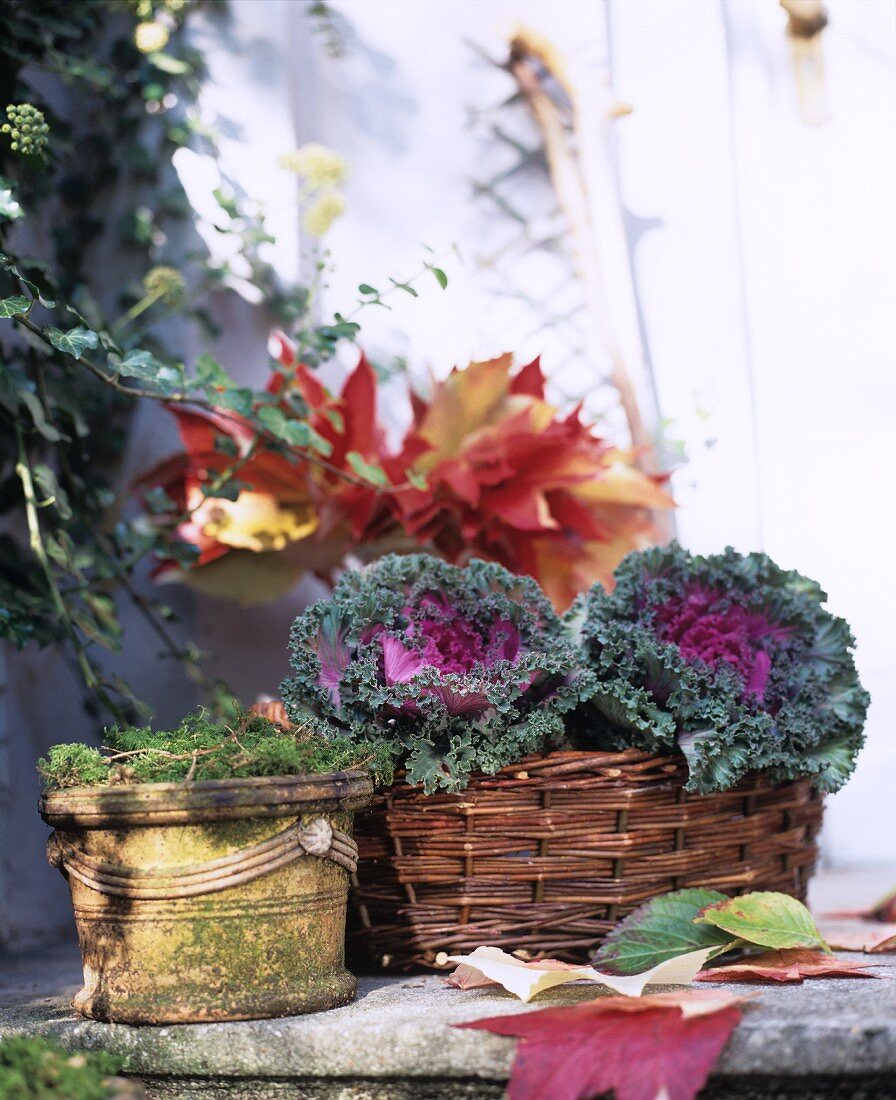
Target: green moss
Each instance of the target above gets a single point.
(202, 749)
(37, 1069)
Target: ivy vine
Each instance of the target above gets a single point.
(109, 92)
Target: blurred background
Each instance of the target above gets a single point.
(691, 201)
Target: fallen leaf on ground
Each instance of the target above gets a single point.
(525, 980)
(656, 1046)
(791, 965)
(662, 929)
(884, 911)
(469, 977)
(867, 936)
(765, 918)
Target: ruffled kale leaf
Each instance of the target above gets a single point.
(456, 669)
(728, 657)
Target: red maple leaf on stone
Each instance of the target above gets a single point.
(642, 1048)
(791, 965)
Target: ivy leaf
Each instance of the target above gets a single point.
(298, 433)
(38, 414)
(11, 307)
(376, 475)
(766, 918)
(7, 263)
(74, 342)
(660, 930)
(664, 1045)
(209, 372)
(54, 495)
(236, 399)
(787, 966)
(152, 373)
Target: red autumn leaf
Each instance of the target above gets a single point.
(280, 503)
(509, 478)
(791, 965)
(640, 1047)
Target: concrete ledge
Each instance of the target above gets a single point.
(398, 1033)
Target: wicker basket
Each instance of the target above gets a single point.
(544, 857)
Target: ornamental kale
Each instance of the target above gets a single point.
(728, 656)
(456, 669)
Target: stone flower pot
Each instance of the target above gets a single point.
(217, 900)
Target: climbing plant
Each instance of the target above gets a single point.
(96, 98)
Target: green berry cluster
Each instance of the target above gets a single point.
(26, 128)
(165, 283)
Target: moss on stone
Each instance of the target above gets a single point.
(36, 1069)
(203, 749)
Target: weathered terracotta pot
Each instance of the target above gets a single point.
(220, 900)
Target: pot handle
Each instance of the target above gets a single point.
(317, 838)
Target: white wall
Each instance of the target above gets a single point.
(766, 279)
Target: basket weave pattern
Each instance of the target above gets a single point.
(546, 856)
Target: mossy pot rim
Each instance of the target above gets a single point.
(117, 805)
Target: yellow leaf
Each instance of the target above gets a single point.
(255, 521)
(525, 980)
(463, 403)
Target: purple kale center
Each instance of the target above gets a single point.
(440, 637)
(708, 628)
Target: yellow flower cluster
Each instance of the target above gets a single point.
(321, 169)
(316, 164)
(321, 214)
(151, 37)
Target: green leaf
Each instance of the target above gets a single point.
(74, 342)
(239, 399)
(209, 372)
(38, 414)
(168, 64)
(366, 288)
(54, 495)
(298, 433)
(415, 479)
(659, 930)
(374, 474)
(10, 307)
(7, 263)
(159, 502)
(229, 489)
(153, 374)
(441, 277)
(766, 918)
(341, 330)
(406, 287)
